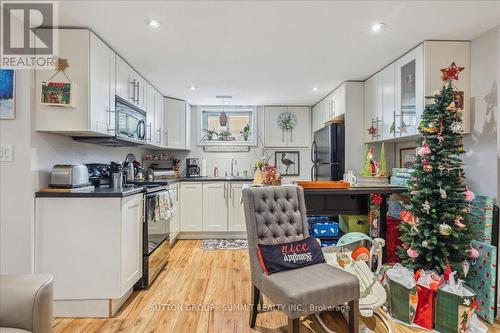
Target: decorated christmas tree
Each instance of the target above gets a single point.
(435, 234)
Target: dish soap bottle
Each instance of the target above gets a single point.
(216, 171)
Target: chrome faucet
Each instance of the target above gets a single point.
(233, 163)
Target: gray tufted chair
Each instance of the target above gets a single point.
(276, 215)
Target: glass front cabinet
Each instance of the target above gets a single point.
(409, 98)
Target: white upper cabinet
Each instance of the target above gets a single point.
(395, 96)
(409, 92)
(176, 122)
(124, 88)
(91, 73)
(150, 115)
(159, 137)
(389, 122)
(276, 120)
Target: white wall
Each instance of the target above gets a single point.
(245, 160)
(16, 188)
(480, 158)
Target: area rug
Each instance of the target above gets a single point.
(224, 244)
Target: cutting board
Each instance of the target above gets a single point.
(324, 184)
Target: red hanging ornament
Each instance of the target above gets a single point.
(372, 130)
(451, 72)
(447, 270)
(376, 199)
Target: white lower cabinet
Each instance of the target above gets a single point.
(131, 239)
(191, 206)
(93, 249)
(236, 220)
(211, 207)
(215, 206)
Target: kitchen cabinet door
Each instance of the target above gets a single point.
(299, 136)
(124, 86)
(215, 206)
(409, 91)
(175, 123)
(190, 203)
(102, 87)
(175, 219)
(373, 107)
(150, 115)
(389, 127)
(274, 136)
(131, 240)
(316, 117)
(236, 221)
(158, 123)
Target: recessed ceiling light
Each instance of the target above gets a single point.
(315, 88)
(377, 27)
(154, 23)
(192, 87)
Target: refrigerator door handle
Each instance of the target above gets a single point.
(314, 152)
(314, 173)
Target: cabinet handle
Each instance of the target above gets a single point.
(132, 85)
(150, 134)
(159, 135)
(224, 190)
(138, 95)
(109, 111)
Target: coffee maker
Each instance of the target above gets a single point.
(192, 167)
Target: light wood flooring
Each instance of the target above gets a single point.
(216, 279)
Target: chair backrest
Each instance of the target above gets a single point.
(273, 215)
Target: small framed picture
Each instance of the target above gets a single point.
(407, 157)
(7, 94)
(61, 94)
(287, 162)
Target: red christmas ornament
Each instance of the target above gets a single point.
(447, 270)
(372, 130)
(451, 72)
(376, 199)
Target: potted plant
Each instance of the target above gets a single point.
(224, 135)
(245, 132)
(209, 134)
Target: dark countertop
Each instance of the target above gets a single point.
(101, 192)
(390, 189)
(138, 187)
(215, 179)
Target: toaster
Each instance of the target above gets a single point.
(69, 176)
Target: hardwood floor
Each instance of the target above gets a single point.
(214, 279)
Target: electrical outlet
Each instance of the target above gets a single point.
(6, 153)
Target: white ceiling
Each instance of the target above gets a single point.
(270, 52)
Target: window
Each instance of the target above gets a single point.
(238, 126)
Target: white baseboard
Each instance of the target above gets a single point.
(212, 235)
(99, 308)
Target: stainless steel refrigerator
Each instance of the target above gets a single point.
(328, 154)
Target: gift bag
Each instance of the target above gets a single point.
(392, 239)
(403, 293)
(484, 282)
(454, 311)
(428, 284)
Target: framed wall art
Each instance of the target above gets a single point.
(61, 94)
(407, 157)
(287, 162)
(7, 94)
